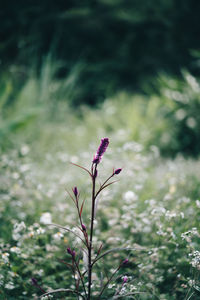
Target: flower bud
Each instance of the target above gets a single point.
(75, 191)
(34, 281)
(125, 262)
(84, 227)
(117, 171)
(71, 252)
(125, 279)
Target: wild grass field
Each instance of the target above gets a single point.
(150, 216)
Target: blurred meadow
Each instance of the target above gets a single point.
(73, 72)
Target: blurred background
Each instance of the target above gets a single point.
(71, 73)
(102, 65)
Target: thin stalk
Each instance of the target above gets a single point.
(91, 233)
(81, 223)
(102, 186)
(74, 274)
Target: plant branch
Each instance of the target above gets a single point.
(69, 230)
(82, 168)
(81, 278)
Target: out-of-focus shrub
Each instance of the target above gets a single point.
(182, 101)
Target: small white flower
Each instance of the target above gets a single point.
(130, 196)
(46, 218)
(9, 286)
(15, 250)
(40, 272)
(18, 227)
(198, 203)
(5, 257)
(58, 236)
(24, 150)
(40, 230)
(31, 233)
(1, 279)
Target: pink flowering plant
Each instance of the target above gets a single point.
(83, 275)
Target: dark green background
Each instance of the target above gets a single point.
(120, 44)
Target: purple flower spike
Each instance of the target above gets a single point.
(117, 171)
(125, 262)
(75, 191)
(101, 150)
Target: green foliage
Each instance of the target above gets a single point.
(168, 119)
(183, 114)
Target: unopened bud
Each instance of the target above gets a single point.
(34, 281)
(75, 191)
(83, 227)
(125, 262)
(117, 171)
(125, 279)
(71, 252)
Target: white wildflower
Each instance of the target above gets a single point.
(198, 203)
(46, 218)
(31, 233)
(15, 250)
(24, 150)
(169, 215)
(130, 196)
(5, 257)
(58, 236)
(195, 259)
(17, 230)
(40, 230)
(10, 286)
(1, 279)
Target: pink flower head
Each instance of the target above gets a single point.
(101, 150)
